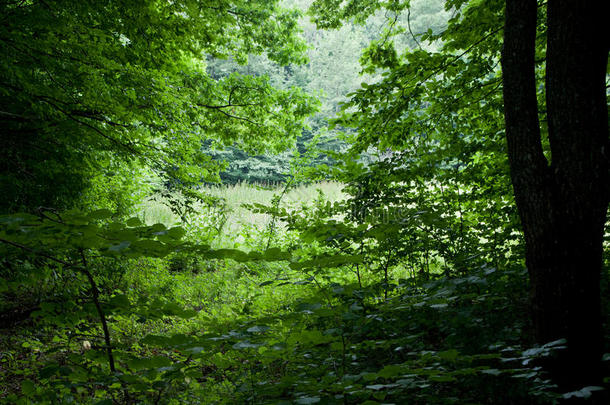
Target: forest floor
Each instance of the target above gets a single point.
(185, 329)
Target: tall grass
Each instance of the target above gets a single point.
(239, 218)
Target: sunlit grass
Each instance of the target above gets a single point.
(238, 217)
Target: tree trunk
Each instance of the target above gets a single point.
(562, 205)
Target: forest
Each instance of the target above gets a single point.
(304, 202)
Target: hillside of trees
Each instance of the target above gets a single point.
(304, 202)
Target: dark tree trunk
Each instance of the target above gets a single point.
(562, 205)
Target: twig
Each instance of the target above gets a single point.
(409, 25)
(96, 301)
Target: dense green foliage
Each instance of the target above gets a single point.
(89, 86)
(126, 278)
(332, 72)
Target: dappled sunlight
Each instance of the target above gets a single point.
(304, 202)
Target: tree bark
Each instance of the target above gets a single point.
(562, 205)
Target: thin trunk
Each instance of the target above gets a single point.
(98, 306)
(276, 207)
(358, 275)
(385, 275)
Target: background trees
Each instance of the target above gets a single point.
(87, 86)
(333, 71)
(435, 115)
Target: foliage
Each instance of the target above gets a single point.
(400, 281)
(89, 86)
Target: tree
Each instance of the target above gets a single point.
(86, 87)
(562, 204)
(443, 98)
(331, 72)
(441, 117)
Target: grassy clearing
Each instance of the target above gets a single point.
(229, 219)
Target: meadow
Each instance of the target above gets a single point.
(228, 221)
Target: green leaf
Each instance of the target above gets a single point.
(135, 221)
(48, 371)
(377, 387)
(584, 392)
(100, 214)
(274, 254)
(120, 301)
(390, 371)
(176, 232)
(119, 247)
(307, 400)
(155, 340)
(157, 228)
(442, 378)
(186, 313)
(246, 345)
(449, 355)
(27, 387)
(258, 329)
